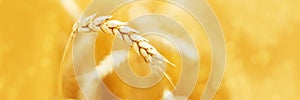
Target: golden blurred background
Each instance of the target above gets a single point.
(261, 41)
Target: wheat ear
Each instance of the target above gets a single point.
(127, 34)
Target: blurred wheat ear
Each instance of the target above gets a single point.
(129, 35)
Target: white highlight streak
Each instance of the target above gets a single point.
(106, 66)
(72, 8)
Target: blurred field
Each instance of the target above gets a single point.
(261, 38)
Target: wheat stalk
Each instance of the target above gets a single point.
(127, 34)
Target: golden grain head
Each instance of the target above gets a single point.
(129, 35)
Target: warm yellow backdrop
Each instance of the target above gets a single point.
(261, 38)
